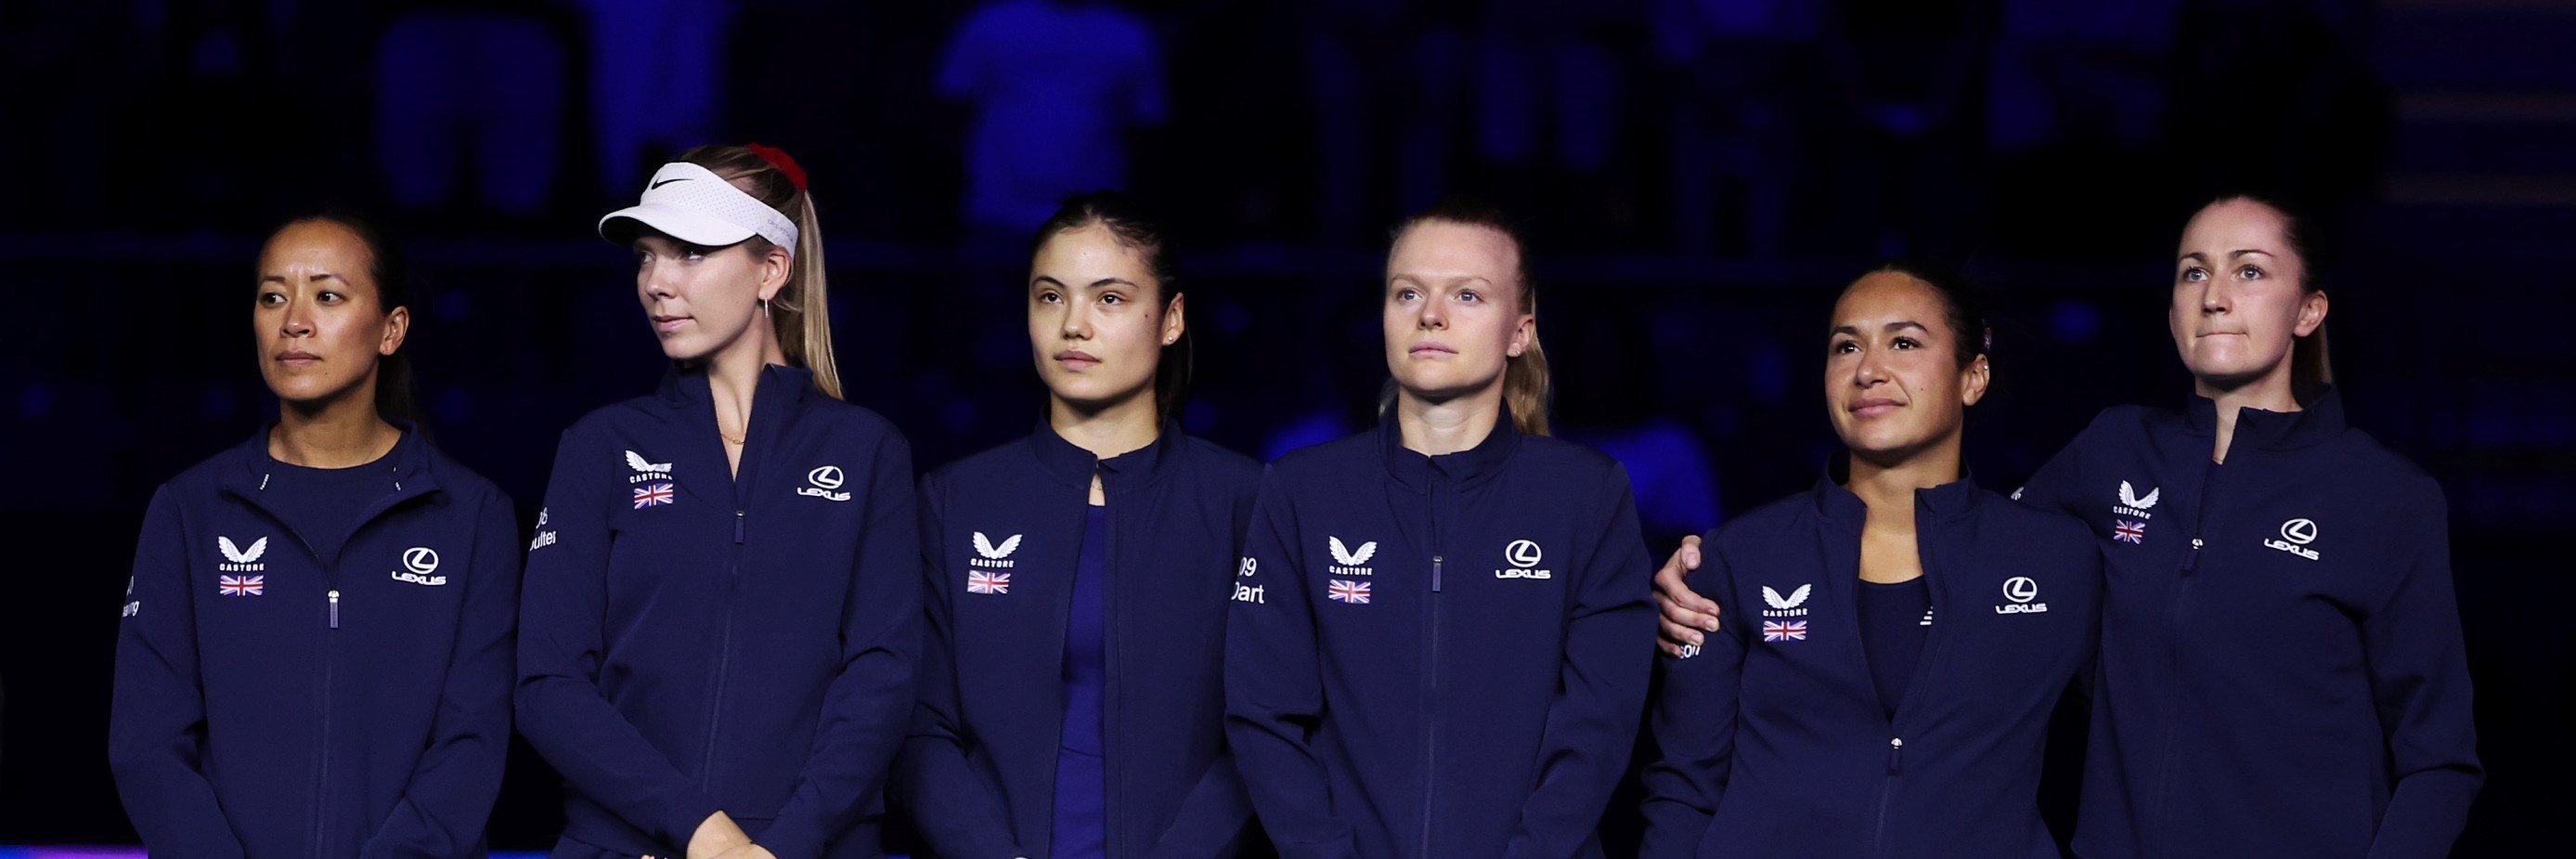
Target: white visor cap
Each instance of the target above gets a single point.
(693, 204)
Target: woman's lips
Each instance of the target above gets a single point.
(667, 324)
(1076, 359)
(1871, 408)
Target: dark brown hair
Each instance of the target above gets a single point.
(2311, 368)
(396, 286)
(1971, 334)
(1139, 230)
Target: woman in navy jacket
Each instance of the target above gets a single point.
(1439, 640)
(2282, 671)
(315, 658)
(719, 624)
(1889, 692)
(1072, 693)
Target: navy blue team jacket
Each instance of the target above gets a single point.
(289, 689)
(691, 641)
(2282, 672)
(1001, 532)
(1773, 739)
(1439, 656)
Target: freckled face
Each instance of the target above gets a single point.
(1453, 317)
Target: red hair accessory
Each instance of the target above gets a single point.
(778, 159)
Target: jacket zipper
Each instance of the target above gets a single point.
(331, 621)
(321, 749)
(1887, 793)
(1914, 685)
(2173, 639)
(1112, 831)
(322, 753)
(1431, 696)
(724, 650)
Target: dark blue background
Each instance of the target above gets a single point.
(1697, 192)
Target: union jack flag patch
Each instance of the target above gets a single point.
(1773, 630)
(653, 495)
(241, 586)
(980, 582)
(1343, 590)
(2133, 533)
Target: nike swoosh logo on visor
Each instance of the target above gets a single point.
(666, 182)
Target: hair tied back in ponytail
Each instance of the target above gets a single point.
(778, 158)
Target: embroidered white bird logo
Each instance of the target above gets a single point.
(236, 555)
(636, 461)
(984, 546)
(1796, 597)
(1344, 556)
(2129, 496)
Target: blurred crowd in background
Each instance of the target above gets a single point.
(1698, 177)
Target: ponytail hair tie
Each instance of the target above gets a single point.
(779, 160)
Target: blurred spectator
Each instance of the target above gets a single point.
(2092, 72)
(1548, 72)
(1552, 82)
(656, 67)
(1910, 76)
(1732, 95)
(1055, 85)
(470, 95)
(1385, 83)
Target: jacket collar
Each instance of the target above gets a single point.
(1842, 507)
(685, 385)
(1474, 465)
(408, 474)
(1073, 465)
(407, 466)
(2320, 418)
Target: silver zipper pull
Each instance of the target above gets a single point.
(335, 609)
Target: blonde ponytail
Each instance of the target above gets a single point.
(801, 316)
(805, 328)
(1525, 383)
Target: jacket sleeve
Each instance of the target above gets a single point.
(1694, 727)
(956, 806)
(2059, 483)
(1274, 688)
(562, 611)
(1212, 816)
(157, 727)
(443, 809)
(2419, 678)
(869, 704)
(1592, 724)
(1217, 810)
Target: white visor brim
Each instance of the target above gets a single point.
(690, 203)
